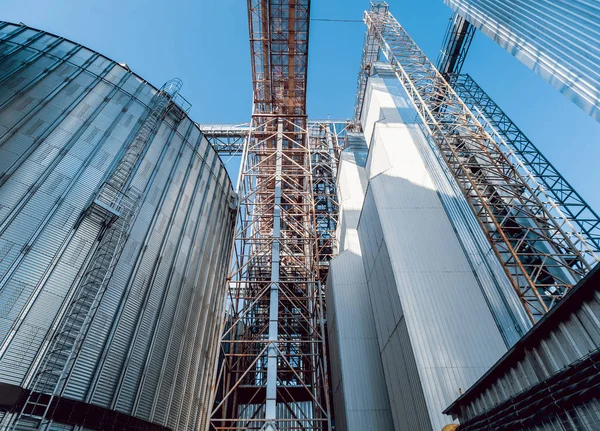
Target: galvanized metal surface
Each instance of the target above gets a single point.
(557, 39)
(358, 384)
(149, 351)
(549, 380)
(436, 329)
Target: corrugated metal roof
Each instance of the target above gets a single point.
(567, 333)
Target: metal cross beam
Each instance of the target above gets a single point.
(273, 368)
(229, 139)
(226, 139)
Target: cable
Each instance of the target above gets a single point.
(336, 20)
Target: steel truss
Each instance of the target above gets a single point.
(229, 139)
(326, 139)
(370, 54)
(543, 251)
(455, 46)
(226, 139)
(273, 368)
(325, 147)
(566, 197)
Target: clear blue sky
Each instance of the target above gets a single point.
(205, 43)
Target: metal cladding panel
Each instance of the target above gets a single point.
(40, 300)
(389, 104)
(557, 39)
(171, 301)
(155, 298)
(430, 308)
(59, 140)
(208, 321)
(405, 388)
(351, 186)
(498, 291)
(357, 371)
(360, 394)
(556, 357)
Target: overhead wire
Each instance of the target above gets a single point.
(336, 20)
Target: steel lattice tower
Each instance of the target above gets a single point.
(544, 246)
(273, 373)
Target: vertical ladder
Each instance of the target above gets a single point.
(113, 208)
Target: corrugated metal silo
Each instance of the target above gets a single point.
(116, 221)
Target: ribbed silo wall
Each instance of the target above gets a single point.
(443, 310)
(557, 39)
(67, 115)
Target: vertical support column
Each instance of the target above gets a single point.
(272, 351)
(273, 375)
(332, 155)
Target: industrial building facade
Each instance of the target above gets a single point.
(444, 308)
(79, 132)
(424, 262)
(364, 275)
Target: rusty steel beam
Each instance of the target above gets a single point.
(272, 373)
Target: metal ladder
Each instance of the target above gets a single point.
(113, 209)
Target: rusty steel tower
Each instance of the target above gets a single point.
(273, 373)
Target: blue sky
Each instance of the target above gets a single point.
(205, 43)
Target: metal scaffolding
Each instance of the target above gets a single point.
(326, 140)
(229, 139)
(325, 147)
(543, 251)
(370, 54)
(273, 368)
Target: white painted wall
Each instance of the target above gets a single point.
(360, 395)
(435, 330)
